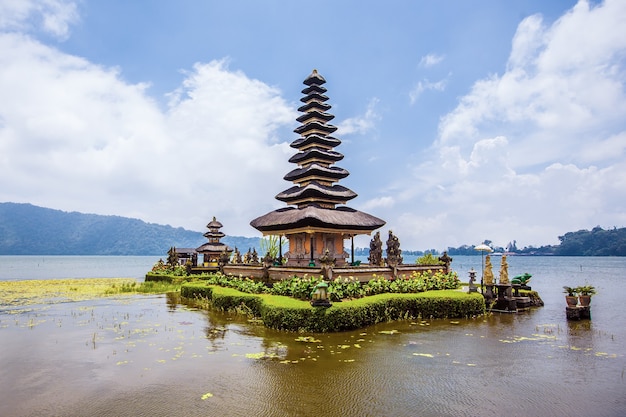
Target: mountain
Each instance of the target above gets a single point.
(26, 229)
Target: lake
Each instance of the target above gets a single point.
(156, 356)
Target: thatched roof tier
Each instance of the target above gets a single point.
(314, 96)
(316, 155)
(315, 219)
(314, 105)
(314, 78)
(315, 171)
(214, 234)
(314, 88)
(316, 192)
(315, 127)
(214, 224)
(214, 248)
(317, 115)
(327, 142)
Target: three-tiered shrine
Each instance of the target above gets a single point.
(316, 221)
(213, 249)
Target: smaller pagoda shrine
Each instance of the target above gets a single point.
(214, 249)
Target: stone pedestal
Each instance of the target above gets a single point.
(488, 294)
(578, 312)
(505, 301)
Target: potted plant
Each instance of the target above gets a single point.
(571, 294)
(584, 294)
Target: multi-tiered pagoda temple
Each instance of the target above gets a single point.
(213, 249)
(315, 221)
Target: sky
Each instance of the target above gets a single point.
(460, 121)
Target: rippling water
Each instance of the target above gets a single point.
(152, 355)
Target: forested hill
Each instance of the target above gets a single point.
(30, 230)
(597, 242)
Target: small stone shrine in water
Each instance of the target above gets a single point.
(316, 222)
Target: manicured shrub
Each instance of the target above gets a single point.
(287, 313)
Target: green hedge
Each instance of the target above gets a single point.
(285, 313)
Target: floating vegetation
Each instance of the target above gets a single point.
(261, 355)
(207, 395)
(308, 339)
(51, 291)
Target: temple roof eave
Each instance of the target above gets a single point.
(316, 189)
(213, 247)
(317, 171)
(313, 140)
(312, 218)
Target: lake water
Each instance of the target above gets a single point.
(156, 356)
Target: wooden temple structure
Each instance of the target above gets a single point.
(316, 221)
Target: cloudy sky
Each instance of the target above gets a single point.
(459, 121)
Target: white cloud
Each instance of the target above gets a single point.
(361, 124)
(75, 136)
(384, 202)
(52, 16)
(534, 152)
(426, 85)
(430, 60)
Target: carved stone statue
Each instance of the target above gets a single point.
(376, 251)
(446, 260)
(255, 257)
(223, 259)
(488, 274)
(327, 262)
(504, 271)
(394, 252)
(237, 256)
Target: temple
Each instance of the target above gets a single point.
(316, 221)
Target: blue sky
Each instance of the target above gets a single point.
(460, 120)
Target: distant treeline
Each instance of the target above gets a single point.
(597, 242)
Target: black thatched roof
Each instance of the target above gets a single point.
(319, 171)
(315, 140)
(314, 105)
(335, 193)
(314, 78)
(317, 115)
(314, 88)
(316, 153)
(341, 218)
(213, 248)
(315, 125)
